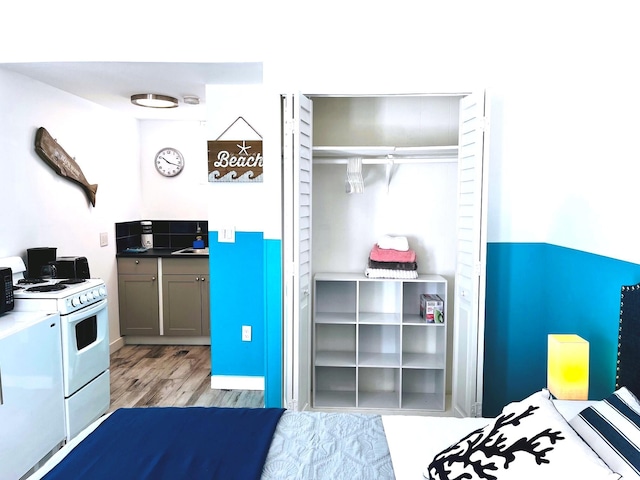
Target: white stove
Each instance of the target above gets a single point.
(57, 295)
(84, 325)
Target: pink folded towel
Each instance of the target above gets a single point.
(389, 255)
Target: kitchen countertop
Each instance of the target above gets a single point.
(161, 252)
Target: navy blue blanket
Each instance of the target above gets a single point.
(174, 443)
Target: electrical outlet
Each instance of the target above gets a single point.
(104, 239)
(246, 333)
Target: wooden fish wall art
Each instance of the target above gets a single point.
(62, 163)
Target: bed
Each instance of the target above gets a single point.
(537, 436)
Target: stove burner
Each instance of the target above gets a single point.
(47, 288)
(71, 281)
(30, 281)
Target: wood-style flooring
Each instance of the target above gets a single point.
(169, 375)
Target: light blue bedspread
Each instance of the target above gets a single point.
(331, 446)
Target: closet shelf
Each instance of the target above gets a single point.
(385, 154)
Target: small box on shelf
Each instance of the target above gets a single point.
(431, 308)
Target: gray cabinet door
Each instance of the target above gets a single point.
(182, 304)
(204, 290)
(138, 299)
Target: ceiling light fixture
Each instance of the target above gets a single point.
(154, 101)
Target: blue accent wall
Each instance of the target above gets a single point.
(237, 298)
(534, 289)
(273, 324)
(246, 289)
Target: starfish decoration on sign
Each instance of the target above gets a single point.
(243, 148)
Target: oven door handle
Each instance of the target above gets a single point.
(86, 312)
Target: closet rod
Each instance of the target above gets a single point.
(384, 161)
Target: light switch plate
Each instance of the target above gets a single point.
(227, 235)
(104, 239)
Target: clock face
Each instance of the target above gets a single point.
(169, 162)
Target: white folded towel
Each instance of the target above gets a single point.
(393, 243)
(389, 273)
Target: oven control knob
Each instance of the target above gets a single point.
(90, 295)
(96, 294)
(75, 301)
(103, 291)
(83, 298)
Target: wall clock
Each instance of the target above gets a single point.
(169, 162)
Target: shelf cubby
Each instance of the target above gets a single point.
(378, 387)
(335, 387)
(422, 389)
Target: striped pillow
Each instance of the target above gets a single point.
(611, 428)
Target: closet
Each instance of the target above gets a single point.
(356, 342)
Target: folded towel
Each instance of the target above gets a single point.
(388, 273)
(391, 255)
(393, 243)
(393, 265)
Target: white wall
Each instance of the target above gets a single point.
(44, 209)
(145, 31)
(174, 198)
(564, 163)
(564, 78)
(250, 206)
(346, 226)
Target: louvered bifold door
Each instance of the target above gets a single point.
(470, 270)
(297, 170)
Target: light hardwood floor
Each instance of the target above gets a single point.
(169, 375)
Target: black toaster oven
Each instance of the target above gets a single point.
(6, 289)
(72, 267)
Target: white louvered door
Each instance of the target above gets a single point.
(469, 297)
(297, 167)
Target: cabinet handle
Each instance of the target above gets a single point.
(197, 279)
(203, 279)
(153, 279)
(137, 262)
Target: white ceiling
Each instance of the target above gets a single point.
(111, 84)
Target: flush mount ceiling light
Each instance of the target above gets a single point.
(154, 101)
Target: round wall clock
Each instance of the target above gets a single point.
(169, 162)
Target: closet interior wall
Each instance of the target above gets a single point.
(419, 200)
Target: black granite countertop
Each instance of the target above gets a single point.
(160, 252)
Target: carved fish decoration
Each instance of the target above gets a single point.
(62, 163)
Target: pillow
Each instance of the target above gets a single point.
(611, 428)
(528, 438)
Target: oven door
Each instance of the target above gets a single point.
(85, 345)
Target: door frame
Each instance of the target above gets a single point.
(290, 369)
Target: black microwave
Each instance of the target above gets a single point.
(6, 289)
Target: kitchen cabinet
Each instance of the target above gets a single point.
(185, 296)
(31, 392)
(138, 296)
(371, 347)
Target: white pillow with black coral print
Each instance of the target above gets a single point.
(529, 439)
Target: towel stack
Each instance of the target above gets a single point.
(391, 257)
